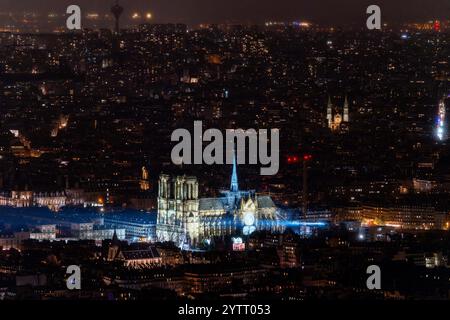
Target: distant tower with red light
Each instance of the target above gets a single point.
(117, 11)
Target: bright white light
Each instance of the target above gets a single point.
(440, 123)
(249, 219)
(440, 133)
(248, 230)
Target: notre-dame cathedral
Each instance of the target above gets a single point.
(186, 219)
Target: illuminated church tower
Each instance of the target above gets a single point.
(346, 109)
(336, 121)
(178, 205)
(329, 112)
(144, 183)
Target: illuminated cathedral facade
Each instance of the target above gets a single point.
(188, 220)
(337, 120)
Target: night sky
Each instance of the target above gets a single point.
(251, 11)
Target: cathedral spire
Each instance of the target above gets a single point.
(346, 109)
(234, 179)
(329, 111)
(115, 238)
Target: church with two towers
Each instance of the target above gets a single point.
(188, 220)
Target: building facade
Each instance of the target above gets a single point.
(407, 217)
(53, 200)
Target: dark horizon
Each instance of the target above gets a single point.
(248, 11)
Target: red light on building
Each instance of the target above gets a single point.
(437, 26)
(296, 159)
(292, 159)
